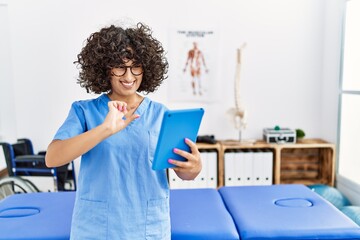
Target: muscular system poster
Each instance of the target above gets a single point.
(192, 65)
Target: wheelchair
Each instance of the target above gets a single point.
(22, 164)
(14, 185)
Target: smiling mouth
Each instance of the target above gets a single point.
(128, 84)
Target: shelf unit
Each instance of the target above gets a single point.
(309, 161)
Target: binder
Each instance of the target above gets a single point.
(174, 180)
(239, 167)
(212, 170)
(258, 167)
(268, 158)
(229, 168)
(201, 180)
(248, 167)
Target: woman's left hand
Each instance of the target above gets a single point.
(187, 170)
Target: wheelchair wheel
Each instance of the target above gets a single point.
(15, 185)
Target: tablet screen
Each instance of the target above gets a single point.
(175, 127)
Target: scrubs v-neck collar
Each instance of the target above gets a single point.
(139, 110)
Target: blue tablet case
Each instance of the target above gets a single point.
(175, 127)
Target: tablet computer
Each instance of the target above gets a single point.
(175, 127)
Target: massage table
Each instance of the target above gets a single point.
(36, 216)
(195, 214)
(200, 214)
(246, 213)
(288, 211)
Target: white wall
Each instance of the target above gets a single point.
(285, 72)
(7, 106)
(334, 13)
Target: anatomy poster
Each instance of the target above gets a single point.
(192, 65)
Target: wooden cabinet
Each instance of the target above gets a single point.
(310, 161)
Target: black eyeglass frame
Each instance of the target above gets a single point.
(131, 70)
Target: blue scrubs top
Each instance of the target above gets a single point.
(119, 196)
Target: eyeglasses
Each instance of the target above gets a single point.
(136, 70)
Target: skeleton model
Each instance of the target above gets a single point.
(238, 114)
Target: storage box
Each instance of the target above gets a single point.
(282, 135)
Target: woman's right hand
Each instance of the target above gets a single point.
(61, 152)
(114, 120)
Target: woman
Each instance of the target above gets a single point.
(119, 196)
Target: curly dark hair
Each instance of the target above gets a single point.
(109, 47)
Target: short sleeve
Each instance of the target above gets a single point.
(74, 124)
